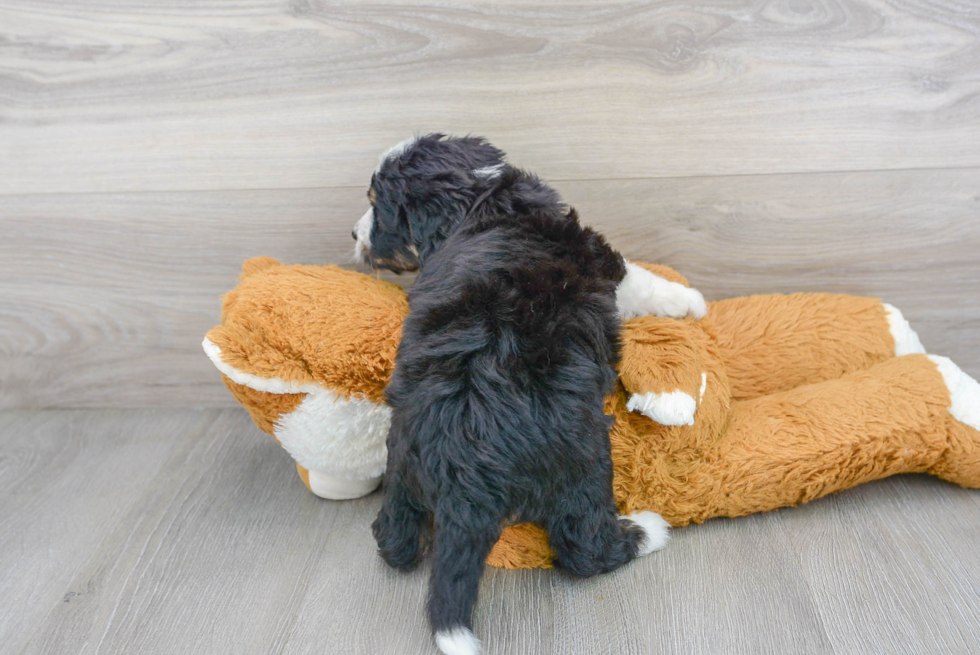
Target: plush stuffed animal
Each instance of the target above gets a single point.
(767, 402)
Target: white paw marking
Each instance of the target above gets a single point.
(656, 531)
(641, 293)
(671, 408)
(964, 392)
(906, 340)
(458, 641)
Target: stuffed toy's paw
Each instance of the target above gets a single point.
(669, 408)
(643, 293)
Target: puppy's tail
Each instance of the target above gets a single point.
(460, 551)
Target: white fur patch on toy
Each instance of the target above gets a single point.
(906, 340)
(656, 531)
(334, 436)
(670, 408)
(964, 392)
(641, 293)
(458, 641)
(345, 438)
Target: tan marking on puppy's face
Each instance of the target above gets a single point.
(398, 264)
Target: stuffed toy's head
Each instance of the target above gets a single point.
(308, 350)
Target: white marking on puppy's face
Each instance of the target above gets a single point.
(362, 233)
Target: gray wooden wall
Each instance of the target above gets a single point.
(147, 148)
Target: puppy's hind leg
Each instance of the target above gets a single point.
(398, 528)
(589, 538)
(461, 547)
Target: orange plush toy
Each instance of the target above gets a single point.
(768, 401)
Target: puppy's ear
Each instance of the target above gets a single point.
(436, 213)
(391, 233)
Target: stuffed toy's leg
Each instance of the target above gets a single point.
(778, 342)
(913, 413)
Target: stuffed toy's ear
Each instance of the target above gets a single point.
(256, 264)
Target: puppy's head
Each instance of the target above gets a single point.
(423, 187)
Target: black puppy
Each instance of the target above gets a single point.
(505, 360)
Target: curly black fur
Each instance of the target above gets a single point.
(501, 374)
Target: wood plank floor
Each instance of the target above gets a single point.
(188, 531)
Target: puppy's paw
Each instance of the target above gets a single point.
(671, 408)
(641, 293)
(457, 641)
(656, 531)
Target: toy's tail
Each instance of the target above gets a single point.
(459, 555)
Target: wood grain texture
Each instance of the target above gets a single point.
(910, 547)
(104, 299)
(132, 95)
(66, 481)
(911, 238)
(194, 535)
(213, 558)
